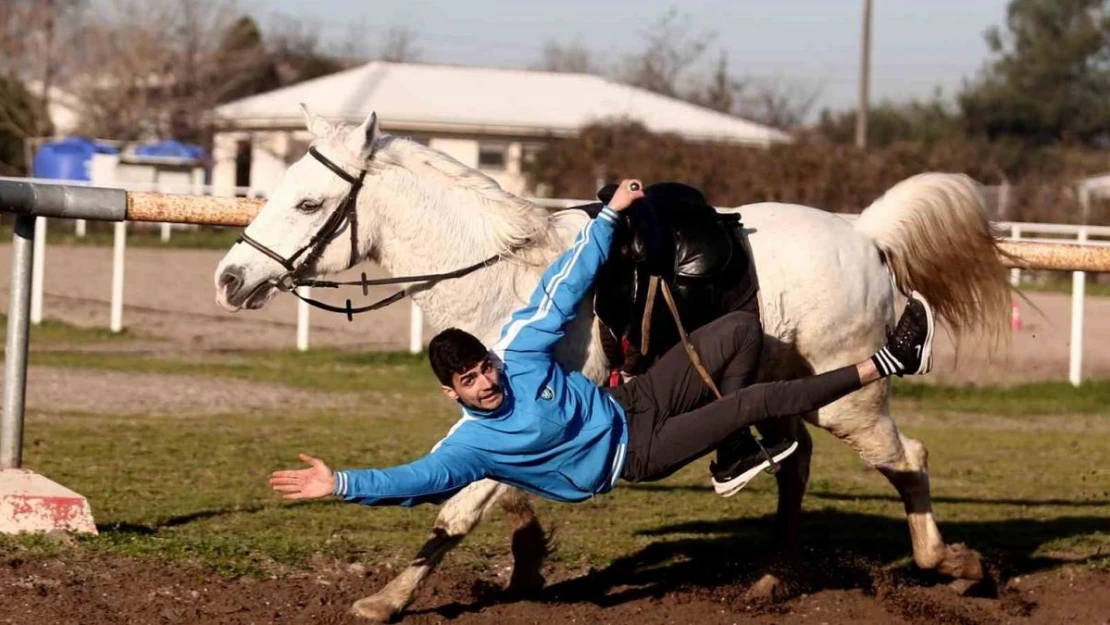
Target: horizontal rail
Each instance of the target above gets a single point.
(1055, 256)
(206, 210)
(83, 202)
(1042, 228)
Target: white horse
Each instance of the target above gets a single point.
(827, 294)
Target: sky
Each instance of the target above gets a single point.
(918, 46)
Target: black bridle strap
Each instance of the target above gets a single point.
(245, 238)
(351, 311)
(336, 168)
(429, 277)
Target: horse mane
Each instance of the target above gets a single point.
(512, 225)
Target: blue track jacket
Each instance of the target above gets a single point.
(556, 434)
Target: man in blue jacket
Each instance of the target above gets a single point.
(530, 423)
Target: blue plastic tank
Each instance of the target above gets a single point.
(67, 159)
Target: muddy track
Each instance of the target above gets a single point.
(96, 590)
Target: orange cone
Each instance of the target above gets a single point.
(1015, 316)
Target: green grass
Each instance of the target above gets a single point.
(1037, 398)
(51, 333)
(193, 489)
(320, 369)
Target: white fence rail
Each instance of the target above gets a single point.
(1018, 231)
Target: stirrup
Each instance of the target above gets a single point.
(772, 465)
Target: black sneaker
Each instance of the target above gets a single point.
(909, 348)
(730, 479)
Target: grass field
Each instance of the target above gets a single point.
(1021, 474)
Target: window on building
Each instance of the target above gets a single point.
(493, 156)
(243, 163)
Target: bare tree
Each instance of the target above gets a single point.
(721, 91)
(157, 69)
(572, 58)
(778, 102)
(671, 49)
(399, 46)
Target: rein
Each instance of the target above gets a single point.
(655, 284)
(345, 217)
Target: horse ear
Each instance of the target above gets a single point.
(317, 126)
(368, 133)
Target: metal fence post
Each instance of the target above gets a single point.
(15, 345)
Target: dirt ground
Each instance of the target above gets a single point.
(91, 592)
(169, 294)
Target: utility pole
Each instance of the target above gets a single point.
(48, 54)
(864, 78)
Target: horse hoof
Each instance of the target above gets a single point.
(769, 589)
(375, 609)
(961, 563)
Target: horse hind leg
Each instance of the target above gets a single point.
(863, 420)
(457, 517)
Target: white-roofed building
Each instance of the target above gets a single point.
(488, 118)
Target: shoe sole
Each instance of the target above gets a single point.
(926, 364)
(736, 484)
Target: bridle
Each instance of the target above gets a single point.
(346, 216)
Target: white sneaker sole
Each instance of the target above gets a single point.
(927, 350)
(736, 484)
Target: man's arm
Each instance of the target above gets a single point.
(432, 479)
(538, 326)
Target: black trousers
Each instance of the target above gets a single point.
(673, 418)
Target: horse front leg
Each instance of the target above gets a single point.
(457, 517)
(863, 421)
(792, 478)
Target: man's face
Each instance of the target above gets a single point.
(477, 387)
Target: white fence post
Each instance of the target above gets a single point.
(38, 263)
(1078, 291)
(302, 318)
(416, 329)
(1015, 273)
(80, 228)
(166, 227)
(119, 243)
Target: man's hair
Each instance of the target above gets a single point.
(454, 351)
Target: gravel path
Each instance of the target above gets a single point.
(57, 389)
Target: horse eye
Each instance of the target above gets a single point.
(309, 206)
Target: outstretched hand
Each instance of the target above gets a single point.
(314, 482)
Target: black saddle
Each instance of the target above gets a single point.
(673, 233)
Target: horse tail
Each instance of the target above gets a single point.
(934, 231)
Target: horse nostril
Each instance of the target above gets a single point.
(231, 280)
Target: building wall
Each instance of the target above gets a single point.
(273, 151)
